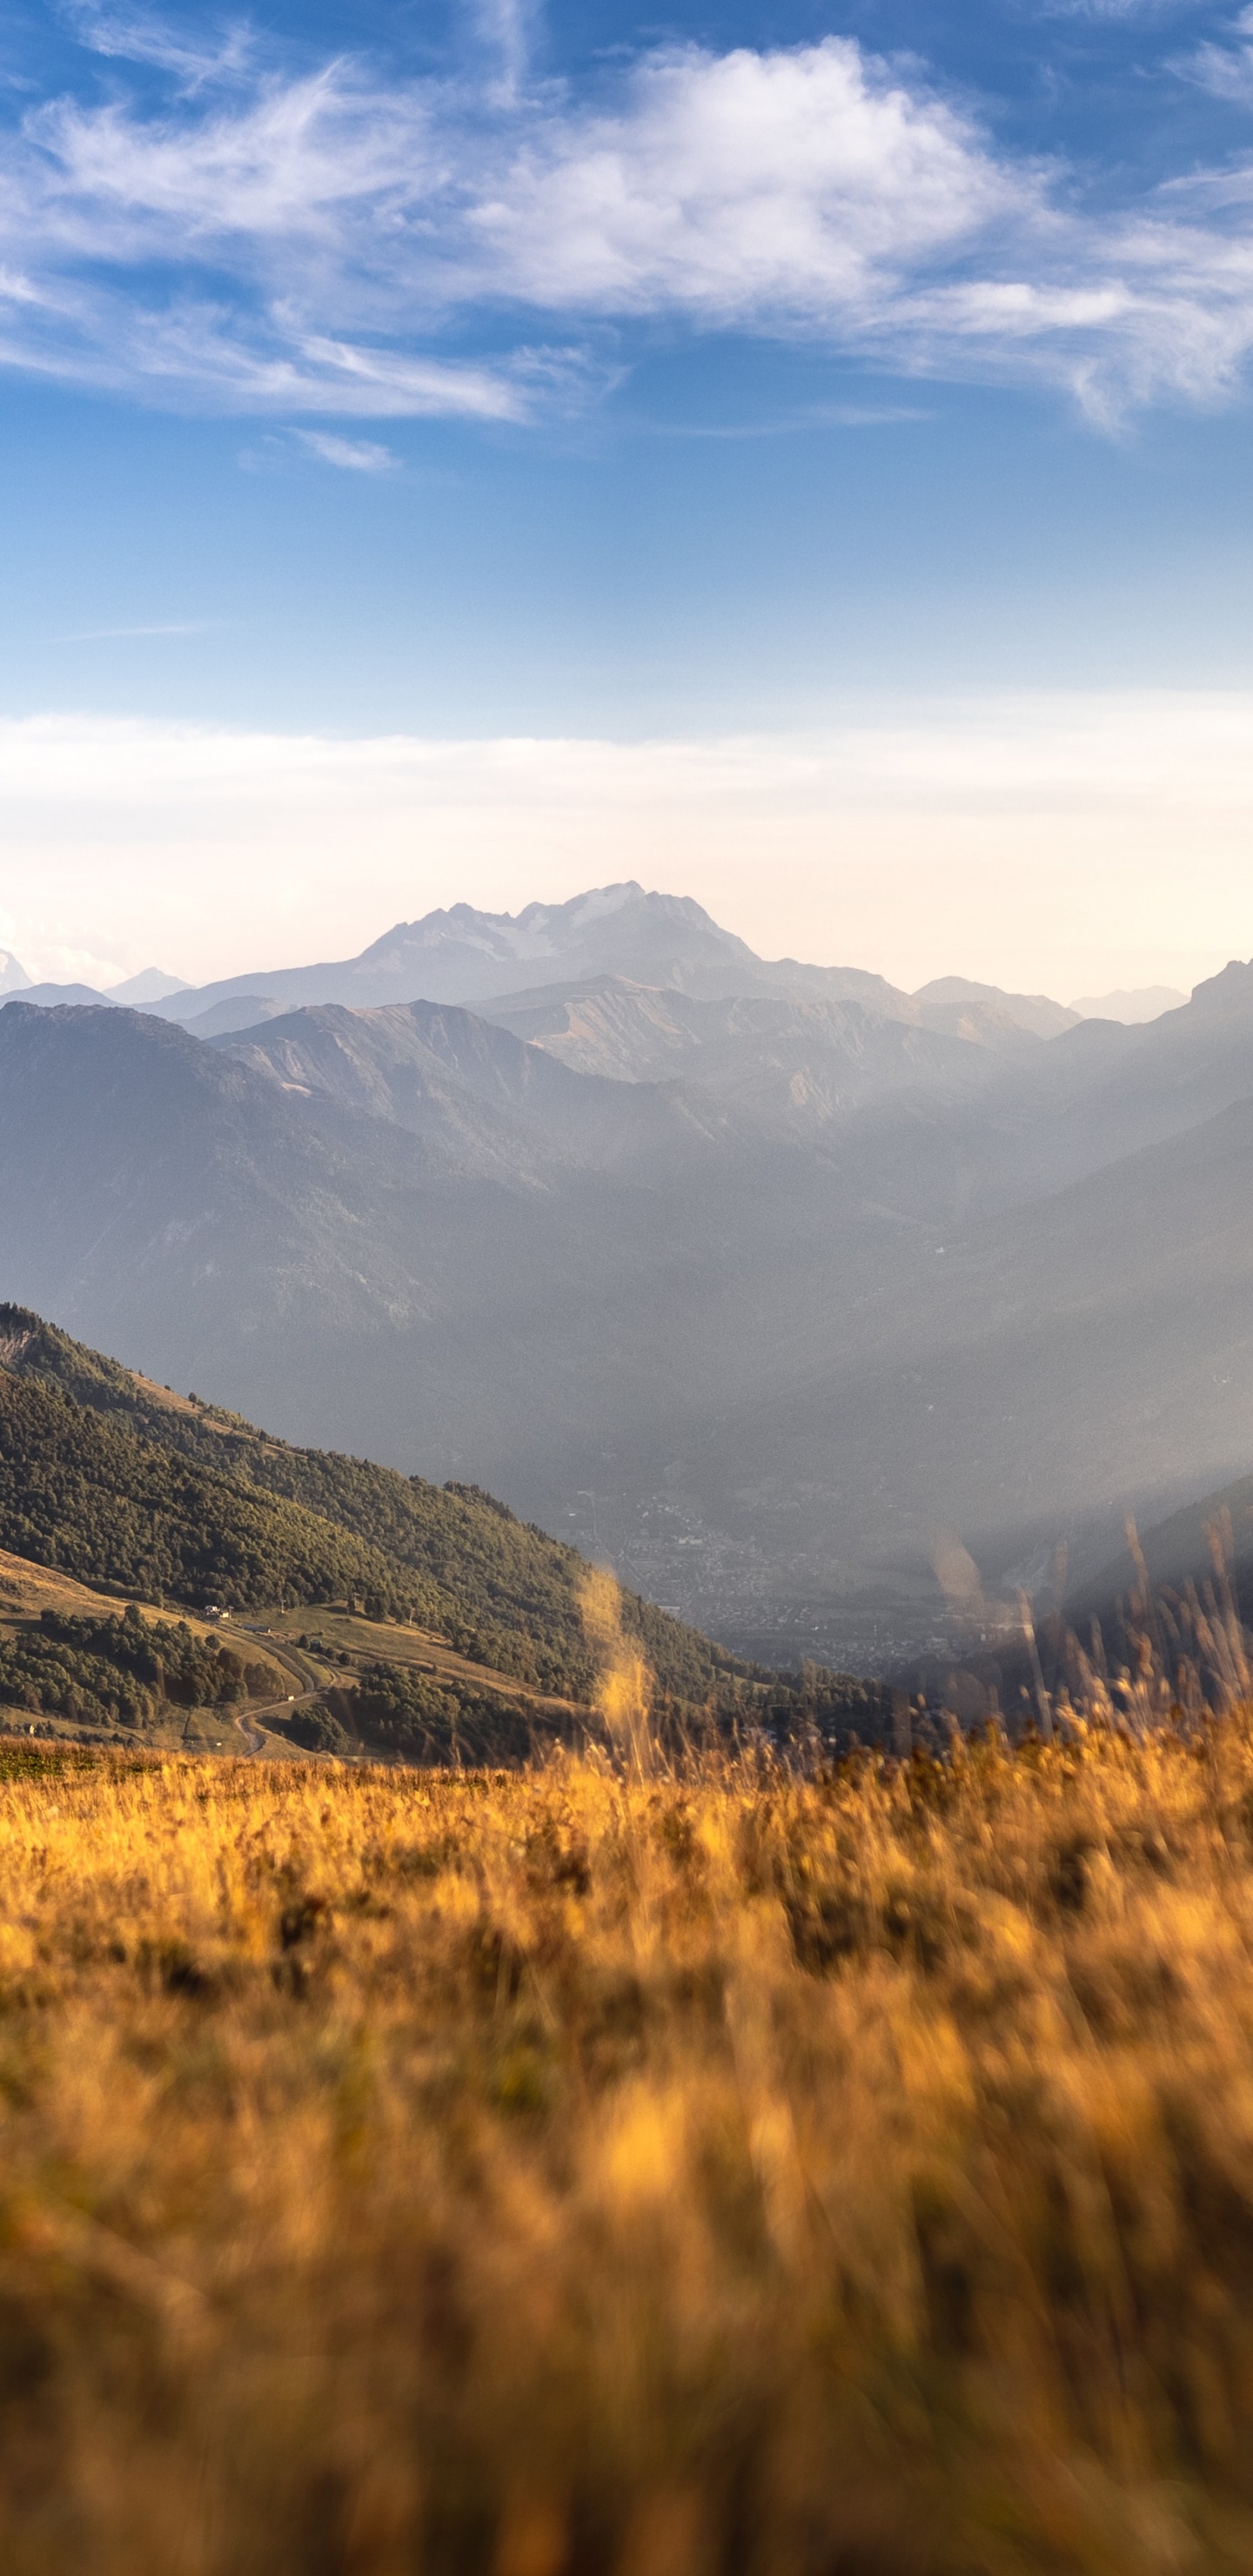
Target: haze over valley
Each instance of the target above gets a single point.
(765, 1279)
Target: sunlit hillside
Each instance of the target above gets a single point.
(580, 2170)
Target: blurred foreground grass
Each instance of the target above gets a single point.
(555, 2174)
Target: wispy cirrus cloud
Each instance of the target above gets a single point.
(350, 455)
(1225, 70)
(277, 450)
(325, 244)
(139, 36)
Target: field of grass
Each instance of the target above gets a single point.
(420, 2174)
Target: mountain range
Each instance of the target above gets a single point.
(140, 991)
(765, 1278)
(660, 941)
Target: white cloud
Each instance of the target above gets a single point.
(1112, 9)
(285, 165)
(797, 183)
(193, 350)
(352, 455)
(319, 236)
(1035, 841)
(1225, 70)
(505, 28)
(138, 37)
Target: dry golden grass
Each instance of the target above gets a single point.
(403, 2175)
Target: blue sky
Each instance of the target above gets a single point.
(479, 371)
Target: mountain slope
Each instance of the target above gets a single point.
(153, 1180)
(1179, 1549)
(435, 1069)
(769, 1064)
(1097, 1093)
(75, 997)
(986, 1015)
(112, 1477)
(1022, 1380)
(152, 984)
(81, 1492)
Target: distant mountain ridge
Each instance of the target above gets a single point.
(152, 984)
(139, 992)
(51, 997)
(953, 1004)
(466, 956)
(636, 1033)
(621, 933)
(1144, 1002)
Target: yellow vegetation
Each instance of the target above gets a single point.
(420, 2175)
(624, 1685)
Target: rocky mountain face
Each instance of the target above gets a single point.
(767, 1293)
(461, 955)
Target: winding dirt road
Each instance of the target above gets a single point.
(249, 1719)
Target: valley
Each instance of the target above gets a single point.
(766, 1279)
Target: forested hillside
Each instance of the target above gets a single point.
(118, 1481)
(83, 1493)
(99, 1671)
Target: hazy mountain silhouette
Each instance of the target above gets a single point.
(139, 992)
(1143, 1002)
(152, 984)
(618, 933)
(51, 997)
(462, 955)
(983, 1013)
